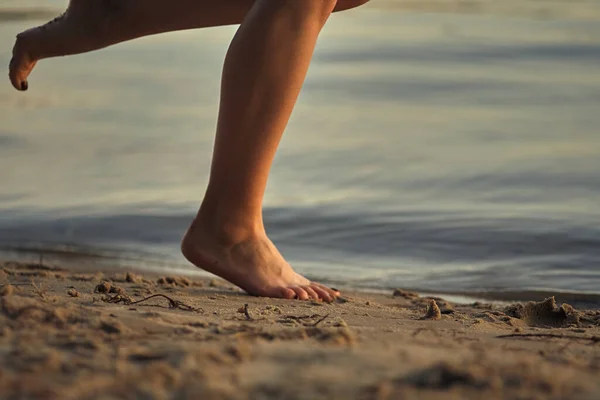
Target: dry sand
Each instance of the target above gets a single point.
(67, 335)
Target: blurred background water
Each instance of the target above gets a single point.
(436, 145)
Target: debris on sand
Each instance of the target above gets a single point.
(103, 287)
(314, 319)
(544, 314)
(433, 311)
(406, 294)
(73, 292)
(128, 301)
(244, 310)
(445, 307)
(130, 277)
(39, 289)
(273, 309)
(174, 281)
(107, 287)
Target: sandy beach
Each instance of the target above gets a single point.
(76, 335)
(445, 145)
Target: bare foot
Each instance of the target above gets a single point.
(85, 26)
(255, 265)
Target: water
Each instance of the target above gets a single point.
(450, 152)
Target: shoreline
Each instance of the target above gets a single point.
(68, 334)
(86, 263)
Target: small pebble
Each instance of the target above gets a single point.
(103, 287)
(7, 290)
(433, 311)
(132, 278)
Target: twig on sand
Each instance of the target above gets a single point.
(39, 289)
(320, 320)
(303, 317)
(119, 298)
(246, 312)
(594, 339)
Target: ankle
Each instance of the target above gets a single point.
(226, 228)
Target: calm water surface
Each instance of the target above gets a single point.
(440, 151)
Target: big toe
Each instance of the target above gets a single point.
(18, 76)
(20, 67)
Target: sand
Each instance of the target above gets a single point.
(73, 335)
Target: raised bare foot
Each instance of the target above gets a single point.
(254, 264)
(85, 26)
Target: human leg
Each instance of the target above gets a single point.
(89, 25)
(263, 73)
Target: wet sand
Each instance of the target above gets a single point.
(72, 335)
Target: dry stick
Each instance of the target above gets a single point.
(300, 318)
(319, 321)
(594, 339)
(172, 303)
(246, 313)
(562, 349)
(39, 290)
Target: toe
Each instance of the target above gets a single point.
(332, 292)
(281, 292)
(21, 63)
(300, 293)
(311, 293)
(288, 293)
(14, 79)
(18, 71)
(323, 294)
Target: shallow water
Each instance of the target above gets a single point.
(440, 151)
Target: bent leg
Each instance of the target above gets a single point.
(89, 25)
(263, 73)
